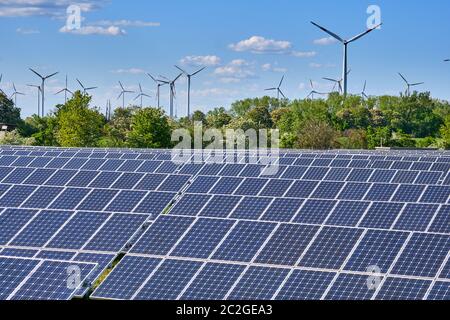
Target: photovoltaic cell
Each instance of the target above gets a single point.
(11, 221)
(39, 176)
(169, 280)
(315, 211)
(190, 204)
(354, 191)
(441, 223)
(150, 182)
(436, 194)
(305, 285)
(104, 180)
(154, 203)
(251, 208)
(226, 185)
(408, 193)
(350, 287)
(16, 195)
(381, 192)
(97, 200)
(403, 289)
(220, 206)
(347, 213)
(251, 187)
(125, 201)
(213, 282)
(381, 215)
(12, 273)
(69, 199)
(202, 184)
(440, 291)
(42, 197)
(416, 217)
(282, 210)
(301, 189)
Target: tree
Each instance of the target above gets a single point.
(9, 114)
(218, 118)
(14, 138)
(445, 133)
(261, 116)
(118, 128)
(317, 134)
(78, 124)
(43, 130)
(150, 129)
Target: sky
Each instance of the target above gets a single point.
(247, 46)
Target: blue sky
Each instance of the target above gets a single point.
(246, 45)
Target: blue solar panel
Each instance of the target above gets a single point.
(381, 215)
(408, 193)
(423, 255)
(301, 189)
(226, 185)
(251, 187)
(69, 199)
(162, 235)
(42, 197)
(244, 241)
(337, 174)
(75, 163)
(190, 204)
(354, 191)
(125, 201)
(350, 287)
(82, 179)
(416, 217)
(403, 289)
(436, 194)
(378, 248)
(331, 247)
(294, 173)
(13, 220)
(251, 208)
(258, 283)
(55, 255)
(202, 184)
(93, 164)
(37, 286)
(220, 206)
(428, 178)
(130, 165)
(57, 163)
(440, 291)
(150, 182)
(61, 177)
(111, 165)
(213, 282)
(104, 180)
(286, 245)
(126, 278)
(282, 210)
(232, 170)
(78, 230)
(97, 200)
(347, 213)
(202, 238)
(305, 285)
(360, 175)
(252, 171)
(22, 253)
(41, 228)
(441, 223)
(39, 176)
(18, 175)
(174, 183)
(12, 273)
(155, 203)
(168, 282)
(116, 232)
(382, 176)
(315, 211)
(381, 192)
(276, 188)
(405, 177)
(16, 195)
(127, 181)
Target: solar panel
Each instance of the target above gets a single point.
(416, 217)
(220, 206)
(251, 208)
(305, 285)
(350, 287)
(13, 220)
(347, 213)
(381, 215)
(69, 199)
(282, 210)
(440, 291)
(403, 289)
(251, 187)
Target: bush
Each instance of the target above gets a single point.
(317, 134)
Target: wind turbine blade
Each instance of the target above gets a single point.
(404, 79)
(311, 83)
(14, 87)
(119, 95)
(447, 60)
(329, 79)
(52, 75)
(270, 89)
(152, 77)
(364, 89)
(140, 88)
(417, 84)
(36, 73)
(80, 84)
(281, 82)
(137, 97)
(91, 88)
(198, 71)
(177, 77)
(60, 91)
(363, 34)
(121, 85)
(281, 92)
(181, 70)
(329, 32)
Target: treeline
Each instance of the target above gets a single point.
(417, 120)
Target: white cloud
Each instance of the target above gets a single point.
(129, 71)
(325, 41)
(27, 31)
(28, 8)
(201, 61)
(235, 71)
(93, 30)
(213, 92)
(319, 65)
(273, 68)
(304, 54)
(126, 23)
(258, 44)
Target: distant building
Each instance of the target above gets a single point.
(7, 127)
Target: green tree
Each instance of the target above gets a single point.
(118, 128)
(218, 118)
(150, 129)
(9, 114)
(445, 133)
(43, 130)
(77, 124)
(317, 134)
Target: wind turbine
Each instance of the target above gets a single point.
(39, 95)
(189, 76)
(122, 94)
(337, 82)
(65, 90)
(363, 93)
(1, 77)
(313, 91)
(409, 85)
(43, 87)
(85, 90)
(345, 43)
(108, 110)
(159, 84)
(141, 94)
(171, 84)
(278, 89)
(15, 94)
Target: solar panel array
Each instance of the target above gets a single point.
(327, 225)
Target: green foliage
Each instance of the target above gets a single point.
(218, 118)
(43, 130)
(14, 138)
(150, 129)
(77, 124)
(9, 114)
(117, 130)
(445, 132)
(378, 137)
(316, 134)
